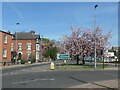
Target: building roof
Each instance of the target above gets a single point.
(6, 32)
(25, 36)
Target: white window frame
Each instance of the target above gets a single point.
(37, 47)
(12, 47)
(5, 39)
(37, 40)
(4, 53)
(29, 46)
(19, 46)
(37, 55)
(28, 54)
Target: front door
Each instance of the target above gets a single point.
(19, 56)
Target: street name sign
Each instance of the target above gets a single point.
(63, 56)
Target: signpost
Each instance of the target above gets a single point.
(63, 56)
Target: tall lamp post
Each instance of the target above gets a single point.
(95, 31)
(16, 44)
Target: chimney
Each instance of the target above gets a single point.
(8, 31)
(32, 32)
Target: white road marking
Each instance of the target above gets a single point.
(11, 73)
(52, 79)
(44, 79)
(21, 82)
(23, 70)
(26, 81)
(48, 79)
(36, 79)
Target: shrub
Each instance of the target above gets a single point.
(32, 58)
(23, 61)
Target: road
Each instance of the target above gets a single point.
(42, 77)
(20, 68)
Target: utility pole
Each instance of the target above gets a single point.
(95, 31)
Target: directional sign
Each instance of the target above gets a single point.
(63, 56)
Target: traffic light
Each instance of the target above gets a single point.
(101, 52)
(115, 53)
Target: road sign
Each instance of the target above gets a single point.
(63, 56)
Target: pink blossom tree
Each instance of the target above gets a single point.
(82, 42)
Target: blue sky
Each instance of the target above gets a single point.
(53, 20)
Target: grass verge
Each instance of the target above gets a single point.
(79, 67)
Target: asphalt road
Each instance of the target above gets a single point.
(29, 66)
(42, 77)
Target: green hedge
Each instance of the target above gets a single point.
(23, 61)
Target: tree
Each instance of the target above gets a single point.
(53, 52)
(50, 50)
(45, 40)
(82, 42)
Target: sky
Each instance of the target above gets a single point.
(53, 20)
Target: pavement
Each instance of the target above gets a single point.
(110, 84)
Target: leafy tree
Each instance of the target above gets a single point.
(50, 50)
(53, 52)
(46, 53)
(45, 40)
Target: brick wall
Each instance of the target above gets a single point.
(6, 46)
(24, 47)
(1, 46)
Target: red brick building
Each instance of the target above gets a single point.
(26, 44)
(5, 47)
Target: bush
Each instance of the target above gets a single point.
(32, 58)
(23, 61)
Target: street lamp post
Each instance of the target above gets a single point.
(95, 31)
(16, 45)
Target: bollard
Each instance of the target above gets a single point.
(52, 67)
